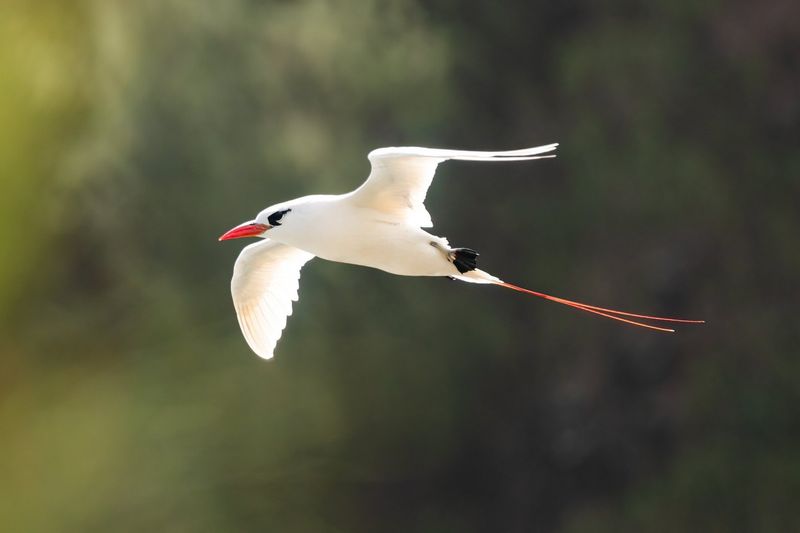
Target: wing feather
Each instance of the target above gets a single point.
(266, 279)
(401, 176)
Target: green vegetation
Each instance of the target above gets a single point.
(133, 133)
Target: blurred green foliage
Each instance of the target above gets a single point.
(133, 133)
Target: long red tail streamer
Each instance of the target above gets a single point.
(602, 311)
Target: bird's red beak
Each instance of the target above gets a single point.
(248, 229)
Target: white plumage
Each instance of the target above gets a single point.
(401, 176)
(266, 278)
(378, 225)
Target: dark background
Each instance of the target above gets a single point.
(132, 134)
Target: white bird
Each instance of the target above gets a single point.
(378, 225)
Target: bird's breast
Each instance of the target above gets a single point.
(368, 240)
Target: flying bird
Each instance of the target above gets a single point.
(378, 225)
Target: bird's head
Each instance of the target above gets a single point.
(267, 220)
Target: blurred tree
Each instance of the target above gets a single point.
(133, 133)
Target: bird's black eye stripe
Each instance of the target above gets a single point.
(275, 218)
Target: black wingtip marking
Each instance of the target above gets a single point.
(465, 259)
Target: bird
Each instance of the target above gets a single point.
(379, 225)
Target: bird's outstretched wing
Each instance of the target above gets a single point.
(265, 281)
(401, 176)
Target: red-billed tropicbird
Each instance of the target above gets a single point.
(378, 225)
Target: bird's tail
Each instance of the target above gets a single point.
(479, 276)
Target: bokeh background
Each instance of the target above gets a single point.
(132, 134)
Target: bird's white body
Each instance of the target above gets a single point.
(378, 225)
(337, 229)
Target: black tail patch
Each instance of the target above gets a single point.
(465, 259)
